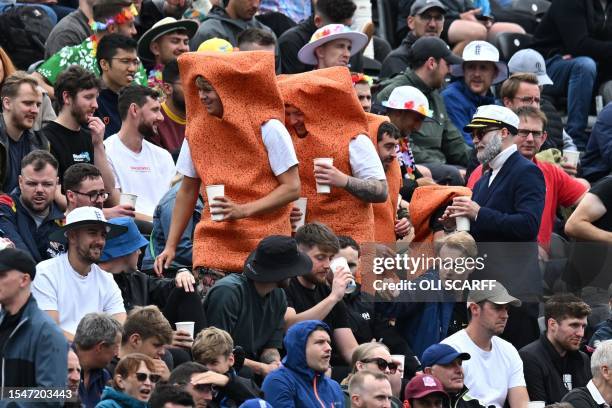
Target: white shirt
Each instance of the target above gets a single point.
(499, 160)
(57, 286)
(147, 174)
(489, 374)
(363, 157)
(281, 154)
(599, 399)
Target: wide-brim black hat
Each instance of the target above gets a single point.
(275, 259)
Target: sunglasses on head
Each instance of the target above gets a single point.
(382, 364)
(142, 377)
(207, 388)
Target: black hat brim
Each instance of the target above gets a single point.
(113, 230)
(303, 266)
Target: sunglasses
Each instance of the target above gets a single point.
(382, 364)
(142, 377)
(207, 388)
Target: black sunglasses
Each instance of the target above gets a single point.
(382, 364)
(142, 377)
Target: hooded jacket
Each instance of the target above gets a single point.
(461, 104)
(111, 398)
(35, 354)
(333, 118)
(230, 150)
(297, 385)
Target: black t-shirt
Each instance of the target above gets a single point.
(17, 151)
(603, 190)
(69, 146)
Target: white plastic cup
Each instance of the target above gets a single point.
(129, 199)
(463, 223)
(323, 188)
(399, 358)
(212, 191)
(343, 264)
(598, 104)
(536, 404)
(301, 204)
(571, 157)
(186, 327)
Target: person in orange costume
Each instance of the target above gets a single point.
(325, 119)
(233, 104)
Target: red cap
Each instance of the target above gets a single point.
(422, 385)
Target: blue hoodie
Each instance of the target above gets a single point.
(297, 385)
(111, 398)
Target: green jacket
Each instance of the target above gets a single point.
(435, 142)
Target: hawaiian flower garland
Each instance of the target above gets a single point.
(127, 14)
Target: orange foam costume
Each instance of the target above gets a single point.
(230, 150)
(385, 214)
(333, 117)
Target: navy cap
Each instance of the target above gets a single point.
(441, 354)
(17, 259)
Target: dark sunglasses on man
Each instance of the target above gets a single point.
(382, 364)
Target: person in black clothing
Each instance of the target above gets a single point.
(76, 135)
(154, 10)
(309, 297)
(553, 364)
(165, 395)
(325, 12)
(598, 392)
(214, 348)
(426, 19)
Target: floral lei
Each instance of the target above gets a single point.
(126, 15)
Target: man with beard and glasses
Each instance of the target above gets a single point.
(171, 132)
(76, 135)
(488, 312)
(72, 285)
(437, 144)
(505, 212)
(251, 306)
(29, 215)
(554, 363)
(137, 164)
(21, 101)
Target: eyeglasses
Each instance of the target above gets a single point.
(382, 364)
(528, 99)
(128, 61)
(481, 133)
(206, 388)
(429, 17)
(537, 134)
(93, 196)
(142, 377)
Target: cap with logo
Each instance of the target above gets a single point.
(496, 294)
(481, 51)
(488, 116)
(531, 61)
(216, 45)
(408, 98)
(329, 33)
(441, 354)
(426, 47)
(421, 6)
(423, 385)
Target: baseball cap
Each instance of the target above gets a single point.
(492, 116)
(216, 45)
(422, 385)
(13, 258)
(408, 98)
(426, 47)
(441, 354)
(481, 51)
(420, 6)
(531, 61)
(497, 294)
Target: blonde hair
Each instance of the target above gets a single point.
(210, 344)
(461, 241)
(7, 65)
(362, 352)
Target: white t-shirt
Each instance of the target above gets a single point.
(365, 163)
(489, 374)
(147, 174)
(281, 154)
(57, 286)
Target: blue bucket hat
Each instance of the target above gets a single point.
(124, 244)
